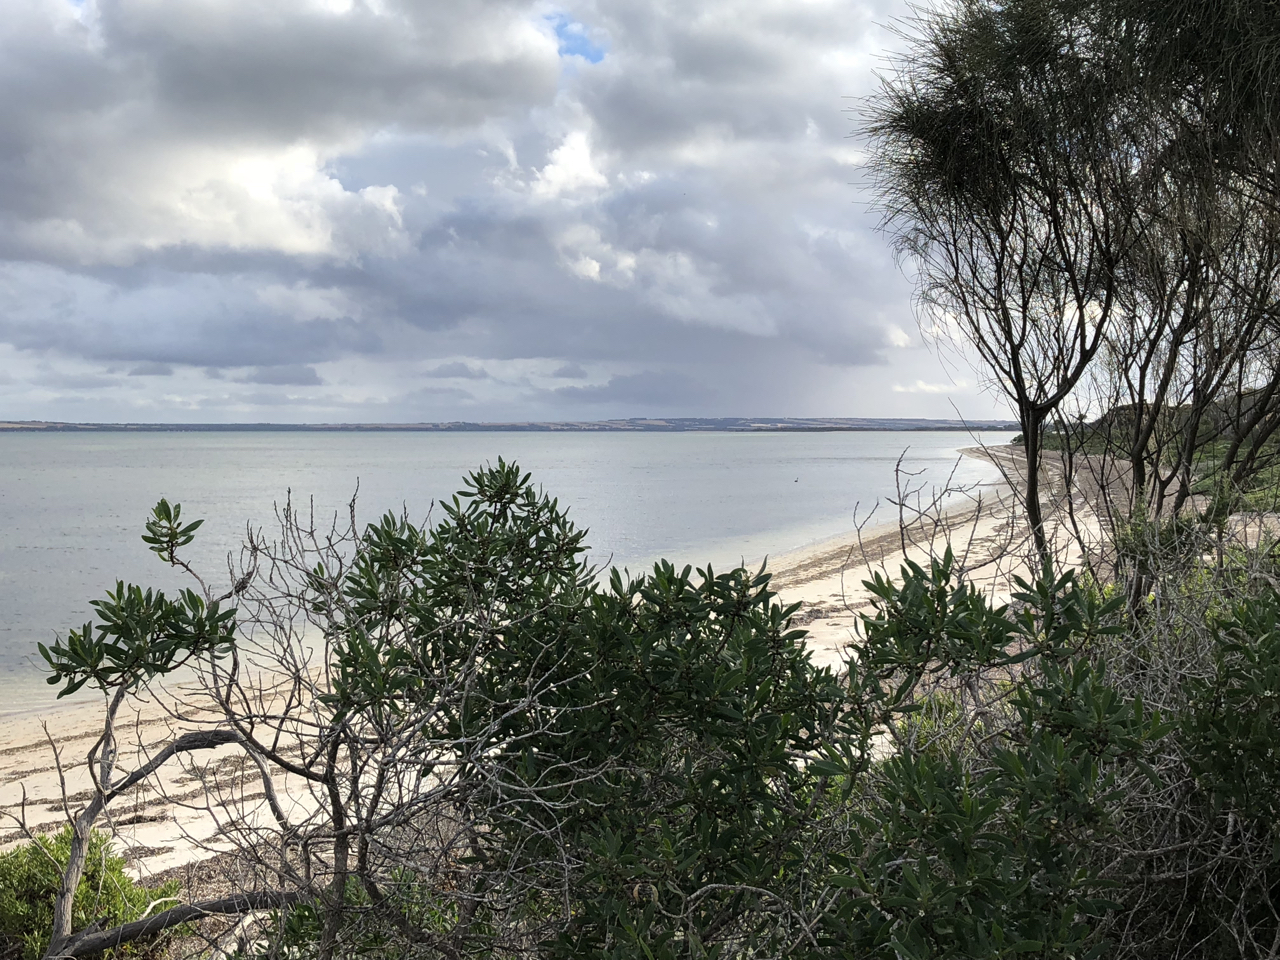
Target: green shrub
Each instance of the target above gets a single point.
(645, 741)
(653, 766)
(1232, 725)
(29, 879)
(1006, 747)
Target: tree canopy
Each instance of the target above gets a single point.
(1087, 192)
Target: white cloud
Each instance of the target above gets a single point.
(896, 336)
(136, 126)
(330, 197)
(270, 200)
(586, 254)
(571, 171)
(936, 388)
(586, 268)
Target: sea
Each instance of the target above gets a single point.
(72, 505)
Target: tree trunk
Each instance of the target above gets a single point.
(82, 828)
(1032, 441)
(335, 902)
(237, 904)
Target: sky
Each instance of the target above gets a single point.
(429, 210)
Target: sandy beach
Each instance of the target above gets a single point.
(167, 823)
(826, 578)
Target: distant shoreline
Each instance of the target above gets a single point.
(634, 425)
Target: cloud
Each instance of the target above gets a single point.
(896, 336)
(655, 389)
(73, 380)
(570, 171)
(152, 125)
(920, 386)
(657, 194)
(303, 302)
(457, 369)
(284, 375)
(152, 370)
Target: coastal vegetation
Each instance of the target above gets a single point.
(1087, 195)
(461, 742)
(457, 739)
(31, 874)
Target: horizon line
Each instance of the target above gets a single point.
(631, 424)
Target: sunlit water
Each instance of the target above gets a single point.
(73, 505)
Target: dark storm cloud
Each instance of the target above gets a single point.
(304, 69)
(650, 200)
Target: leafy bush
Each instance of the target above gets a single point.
(644, 743)
(29, 878)
(1203, 873)
(1232, 725)
(708, 712)
(545, 764)
(1003, 751)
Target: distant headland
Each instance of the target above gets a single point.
(638, 424)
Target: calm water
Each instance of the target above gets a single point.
(72, 506)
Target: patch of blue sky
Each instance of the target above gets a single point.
(574, 41)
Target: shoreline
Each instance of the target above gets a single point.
(164, 827)
(826, 578)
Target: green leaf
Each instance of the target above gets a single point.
(844, 882)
